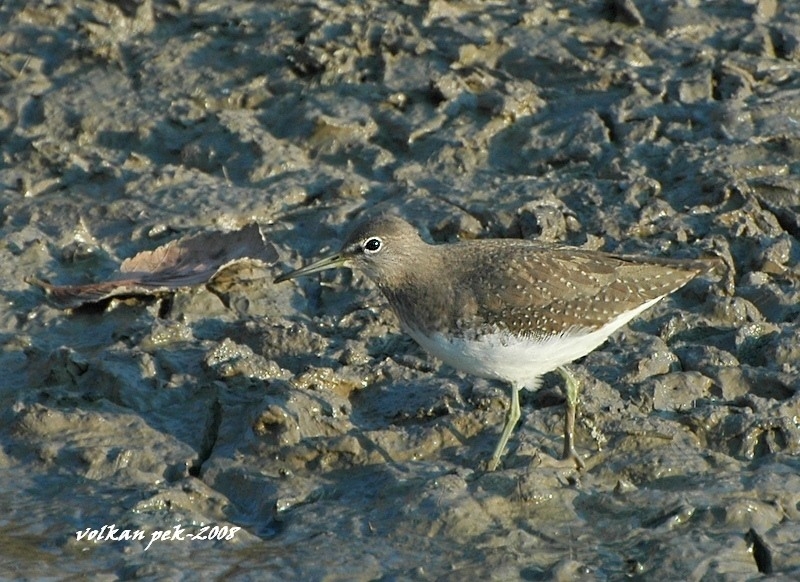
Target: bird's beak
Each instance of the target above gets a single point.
(330, 262)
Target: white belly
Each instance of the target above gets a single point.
(519, 360)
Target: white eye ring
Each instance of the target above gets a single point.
(372, 245)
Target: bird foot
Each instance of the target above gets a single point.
(571, 455)
(489, 465)
(569, 460)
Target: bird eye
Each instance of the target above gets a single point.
(373, 245)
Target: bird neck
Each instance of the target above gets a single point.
(415, 291)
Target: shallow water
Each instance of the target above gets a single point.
(299, 412)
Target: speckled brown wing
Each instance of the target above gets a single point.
(540, 290)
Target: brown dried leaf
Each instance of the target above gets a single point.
(186, 262)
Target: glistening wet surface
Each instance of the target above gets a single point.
(299, 413)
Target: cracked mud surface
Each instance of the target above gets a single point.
(299, 412)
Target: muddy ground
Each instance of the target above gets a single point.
(298, 412)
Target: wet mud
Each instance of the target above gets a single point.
(295, 422)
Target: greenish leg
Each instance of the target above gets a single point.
(511, 420)
(572, 390)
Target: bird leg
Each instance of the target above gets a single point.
(572, 390)
(512, 416)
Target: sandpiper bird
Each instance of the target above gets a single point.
(505, 309)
